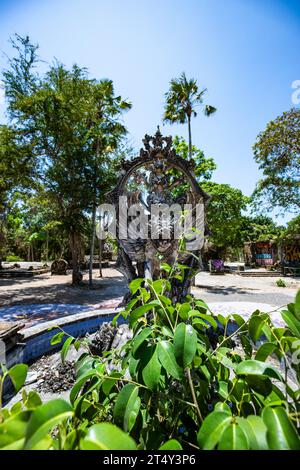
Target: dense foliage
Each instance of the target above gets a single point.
(186, 379)
(224, 214)
(204, 166)
(277, 151)
(72, 125)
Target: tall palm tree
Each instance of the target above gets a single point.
(181, 101)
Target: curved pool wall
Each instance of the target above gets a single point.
(36, 339)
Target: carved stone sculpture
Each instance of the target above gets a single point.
(59, 266)
(156, 178)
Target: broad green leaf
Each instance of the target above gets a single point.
(291, 321)
(233, 438)
(260, 384)
(164, 300)
(202, 305)
(247, 346)
(210, 319)
(265, 350)
(127, 407)
(135, 285)
(130, 304)
(13, 431)
(140, 338)
(185, 344)
(165, 351)
(239, 389)
(281, 433)
(165, 267)
(297, 305)
(212, 428)
(256, 324)
(255, 430)
(132, 366)
(33, 400)
(84, 365)
(223, 320)
(253, 367)
(220, 406)
(145, 295)
(109, 383)
(223, 389)
(151, 372)
(172, 444)
(70, 441)
(160, 285)
(140, 311)
(199, 322)
(268, 332)
(66, 347)
(239, 321)
(16, 408)
(57, 338)
(44, 419)
(18, 375)
(106, 436)
(183, 311)
(80, 383)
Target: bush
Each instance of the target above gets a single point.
(280, 283)
(12, 258)
(184, 380)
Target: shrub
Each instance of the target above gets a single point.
(12, 258)
(280, 283)
(186, 379)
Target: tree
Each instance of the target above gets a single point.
(71, 121)
(293, 229)
(204, 166)
(277, 151)
(182, 100)
(259, 228)
(16, 170)
(224, 214)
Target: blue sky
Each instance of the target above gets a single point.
(246, 52)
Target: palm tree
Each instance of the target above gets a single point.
(181, 101)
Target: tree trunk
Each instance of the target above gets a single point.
(2, 244)
(190, 138)
(47, 246)
(92, 245)
(74, 246)
(100, 257)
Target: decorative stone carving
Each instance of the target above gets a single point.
(59, 266)
(158, 176)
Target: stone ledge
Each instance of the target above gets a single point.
(36, 339)
(38, 329)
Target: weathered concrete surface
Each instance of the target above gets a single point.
(49, 297)
(234, 288)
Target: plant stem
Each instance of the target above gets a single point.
(163, 307)
(193, 393)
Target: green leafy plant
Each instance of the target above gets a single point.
(280, 283)
(12, 258)
(187, 379)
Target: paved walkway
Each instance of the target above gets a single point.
(235, 288)
(45, 297)
(245, 309)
